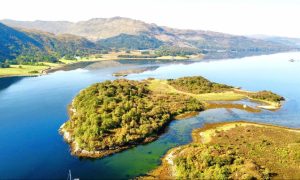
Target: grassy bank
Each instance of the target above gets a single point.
(26, 70)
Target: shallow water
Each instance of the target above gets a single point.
(33, 108)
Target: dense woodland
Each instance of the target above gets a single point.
(197, 85)
(123, 112)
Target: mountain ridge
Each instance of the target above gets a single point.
(97, 29)
(60, 38)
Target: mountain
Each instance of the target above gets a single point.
(94, 29)
(14, 43)
(112, 31)
(294, 42)
(33, 45)
(49, 40)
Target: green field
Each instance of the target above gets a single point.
(26, 70)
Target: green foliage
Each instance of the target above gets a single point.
(118, 113)
(4, 65)
(267, 96)
(197, 85)
(69, 57)
(175, 51)
(198, 161)
(14, 43)
(33, 59)
(131, 42)
(34, 72)
(145, 52)
(29, 46)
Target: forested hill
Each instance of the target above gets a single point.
(13, 43)
(34, 46)
(119, 32)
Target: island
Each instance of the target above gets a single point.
(234, 150)
(112, 116)
(124, 73)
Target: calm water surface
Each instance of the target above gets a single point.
(33, 108)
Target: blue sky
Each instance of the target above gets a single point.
(243, 17)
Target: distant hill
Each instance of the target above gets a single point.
(34, 46)
(294, 42)
(131, 42)
(112, 32)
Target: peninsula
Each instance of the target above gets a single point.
(112, 116)
(234, 150)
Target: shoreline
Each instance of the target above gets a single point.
(268, 105)
(203, 135)
(58, 66)
(112, 57)
(75, 150)
(83, 153)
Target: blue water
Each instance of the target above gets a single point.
(33, 108)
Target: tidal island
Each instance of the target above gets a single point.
(112, 116)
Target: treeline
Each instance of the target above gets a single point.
(118, 113)
(4, 65)
(175, 51)
(197, 85)
(266, 96)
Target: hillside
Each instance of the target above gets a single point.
(109, 30)
(131, 42)
(35, 46)
(295, 42)
(14, 43)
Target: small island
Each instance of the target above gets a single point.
(234, 150)
(112, 116)
(124, 73)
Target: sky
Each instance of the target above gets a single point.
(240, 17)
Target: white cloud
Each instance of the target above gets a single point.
(271, 17)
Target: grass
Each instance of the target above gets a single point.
(18, 70)
(162, 86)
(31, 70)
(267, 150)
(67, 61)
(276, 148)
